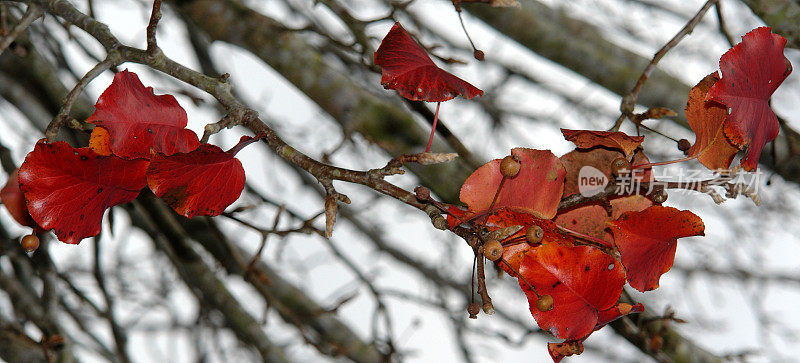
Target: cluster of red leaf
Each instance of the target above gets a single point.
(585, 254)
(572, 262)
(140, 141)
(732, 113)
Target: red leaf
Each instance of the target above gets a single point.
(585, 139)
(647, 241)
(138, 120)
(751, 72)
(406, 67)
(513, 253)
(14, 201)
(559, 351)
(706, 120)
(580, 282)
(69, 189)
(537, 188)
(202, 182)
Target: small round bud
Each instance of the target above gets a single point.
(534, 235)
(684, 145)
(488, 308)
(660, 197)
(493, 250)
(619, 166)
(544, 303)
(656, 343)
(30, 243)
(422, 193)
(473, 309)
(509, 167)
(478, 54)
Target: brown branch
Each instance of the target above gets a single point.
(155, 16)
(629, 101)
(31, 14)
(62, 117)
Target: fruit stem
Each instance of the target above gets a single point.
(433, 128)
(594, 242)
(650, 165)
(460, 19)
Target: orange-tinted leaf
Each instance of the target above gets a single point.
(616, 312)
(559, 351)
(590, 219)
(706, 120)
(586, 139)
(456, 216)
(537, 188)
(138, 120)
(14, 201)
(202, 182)
(69, 189)
(100, 141)
(406, 67)
(582, 281)
(647, 241)
(751, 71)
(514, 253)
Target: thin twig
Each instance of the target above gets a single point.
(30, 16)
(629, 101)
(111, 60)
(152, 46)
(721, 21)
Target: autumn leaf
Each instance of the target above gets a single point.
(516, 244)
(406, 68)
(137, 120)
(559, 351)
(69, 189)
(536, 189)
(707, 120)
(582, 282)
(14, 201)
(586, 139)
(202, 182)
(751, 71)
(591, 218)
(647, 241)
(100, 141)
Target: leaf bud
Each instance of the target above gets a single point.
(509, 167)
(488, 308)
(30, 243)
(619, 166)
(544, 303)
(534, 235)
(473, 309)
(684, 145)
(493, 250)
